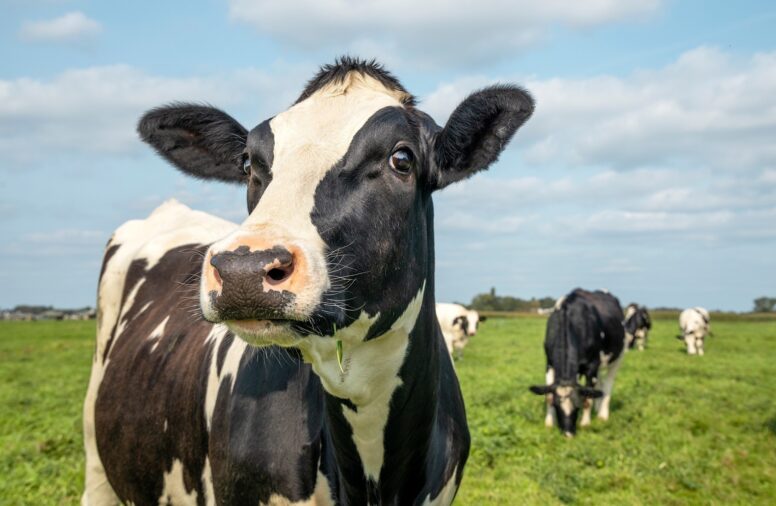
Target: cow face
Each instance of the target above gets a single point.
(339, 197)
(566, 399)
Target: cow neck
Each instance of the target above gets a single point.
(381, 439)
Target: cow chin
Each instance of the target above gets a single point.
(263, 333)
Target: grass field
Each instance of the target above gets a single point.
(683, 430)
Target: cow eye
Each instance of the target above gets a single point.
(402, 161)
(246, 164)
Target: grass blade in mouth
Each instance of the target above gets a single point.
(339, 355)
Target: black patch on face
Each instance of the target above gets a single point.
(242, 294)
(342, 66)
(362, 197)
(260, 149)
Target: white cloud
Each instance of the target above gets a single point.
(71, 27)
(95, 110)
(464, 31)
(708, 108)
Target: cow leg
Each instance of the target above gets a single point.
(602, 404)
(690, 340)
(640, 340)
(549, 419)
(587, 406)
(97, 489)
(699, 346)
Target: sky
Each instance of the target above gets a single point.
(648, 168)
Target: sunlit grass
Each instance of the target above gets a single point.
(697, 430)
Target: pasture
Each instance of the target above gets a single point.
(683, 430)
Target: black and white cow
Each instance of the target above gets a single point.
(458, 324)
(584, 334)
(637, 326)
(694, 324)
(295, 358)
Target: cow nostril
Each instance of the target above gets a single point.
(278, 275)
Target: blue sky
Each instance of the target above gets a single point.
(649, 167)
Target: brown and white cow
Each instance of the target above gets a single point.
(295, 358)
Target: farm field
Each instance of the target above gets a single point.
(683, 430)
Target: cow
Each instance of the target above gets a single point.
(694, 325)
(294, 358)
(458, 324)
(637, 326)
(584, 334)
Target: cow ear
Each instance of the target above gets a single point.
(541, 389)
(201, 141)
(478, 131)
(590, 393)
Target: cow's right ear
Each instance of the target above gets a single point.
(541, 389)
(201, 141)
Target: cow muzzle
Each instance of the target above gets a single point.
(255, 282)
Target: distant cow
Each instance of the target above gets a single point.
(584, 333)
(637, 326)
(458, 324)
(694, 324)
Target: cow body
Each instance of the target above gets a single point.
(458, 325)
(637, 326)
(694, 325)
(295, 358)
(584, 334)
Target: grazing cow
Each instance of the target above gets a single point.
(295, 358)
(458, 324)
(637, 326)
(584, 333)
(694, 324)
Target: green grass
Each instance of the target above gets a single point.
(683, 430)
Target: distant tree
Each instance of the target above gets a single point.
(492, 302)
(764, 304)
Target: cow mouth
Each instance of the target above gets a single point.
(265, 332)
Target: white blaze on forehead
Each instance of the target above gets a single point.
(564, 393)
(310, 138)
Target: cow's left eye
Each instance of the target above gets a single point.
(246, 164)
(402, 160)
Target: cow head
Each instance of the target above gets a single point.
(566, 398)
(340, 218)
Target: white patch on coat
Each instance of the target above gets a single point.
(602, 404)
(158, 332)
(559, 302)
(446, 494)
(207, 483)
(229, 368)
(370, 377)
(309, 139)
(174, 490)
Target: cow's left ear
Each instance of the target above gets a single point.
(199, 140)
(590, 393)
(541, 389)
(478, 131)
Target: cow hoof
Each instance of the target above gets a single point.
(585, 422)
(603, 417)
